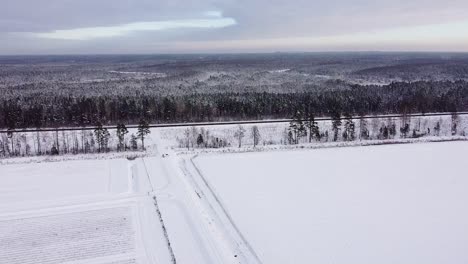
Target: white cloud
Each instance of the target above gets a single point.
(215, 21)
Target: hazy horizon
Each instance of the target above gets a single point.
(115, 27)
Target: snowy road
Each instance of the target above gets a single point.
(197, 232)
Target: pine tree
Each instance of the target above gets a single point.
(292, 134)
(291, 138)
(312, 126)
(336, 124)
(363, 131)
(105, 140)
(99, 133)
(200, 140)
(143, 130)
(404, 130)
(350, 134)
(255, 135)
(385, 133)
(392, 131)
(455, 121)
(121, 132)
(297, 127)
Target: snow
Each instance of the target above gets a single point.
(381, 204)
(194, 234)
(58, 180)
(103, 234)
(103, 211)
(275, 134)
(78, 211)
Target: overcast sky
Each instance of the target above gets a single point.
(207, 26)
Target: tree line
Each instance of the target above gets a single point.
(344, 128)
(100, 140)
(36, 111)
(304, 128)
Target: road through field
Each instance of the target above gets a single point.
(192, 233)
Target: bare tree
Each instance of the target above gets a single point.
(455, 121)
(239, 134)
(187, 138)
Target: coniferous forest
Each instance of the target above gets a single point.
(55, 92)
(395, 98)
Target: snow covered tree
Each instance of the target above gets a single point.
(255, 135)
(405, 130)
(363, 130)
(121, 132)
(133, 142)
(384, 132)
(296, 126)
(336, 124)
(200, 140)
(437, 129)
(291, 139)
(10, 136)
(349, 133)
(105, 140)
(455, 121)
(99, 133)
(102, 137)
(312, 126)
(143, 130)
(392, 130)
(187, 138)
(239, 134)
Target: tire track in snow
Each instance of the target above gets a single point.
(243, 241)
(161, 220)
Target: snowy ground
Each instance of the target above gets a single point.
(384, 204)
(60, 180)
(106, 211)
(380, 204)
(276, 134)
(83, 211)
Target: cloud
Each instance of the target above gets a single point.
(139, 26)
(121, 30)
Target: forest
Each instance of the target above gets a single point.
(396, 98)
(77, 91)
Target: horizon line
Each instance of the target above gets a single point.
(236, 53)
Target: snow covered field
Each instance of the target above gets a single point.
(59, 180)
(105, 236)
(103, 211)
(83, 211)
(374, 204)
(382, 204)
